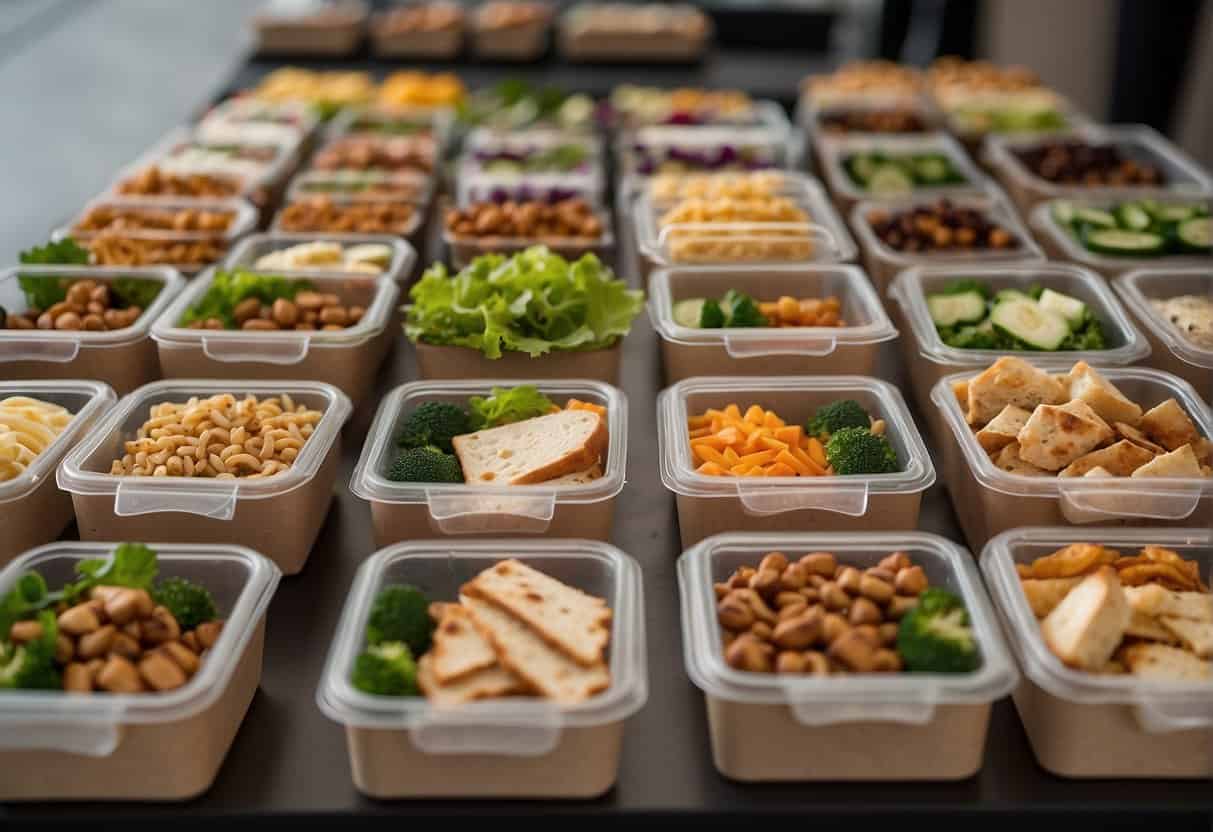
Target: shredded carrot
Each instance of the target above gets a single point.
(752, 442)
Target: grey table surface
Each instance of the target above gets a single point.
(288, 757)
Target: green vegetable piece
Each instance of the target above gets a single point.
(132, 565)
(229, 287)
(386, 670)
(859, 451)
(740, 310)
(434, 423)
(1133, 216)
(135, 291)
(190, 603)
(936, 636)
(949, 309)
(1123, 243)
(400, 612)
(844, 413)
(688, 312)
(27, 596)
(425, 464)
(711, 316)
(1195, 235)
(31, 666)
(1027, 321)
(65, 252)
(505, 405)
(890, 179)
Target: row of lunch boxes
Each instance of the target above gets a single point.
(925, 726)
(281, 515)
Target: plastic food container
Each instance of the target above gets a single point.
(1137, 141)
(122, 358)
(435, 363)
(243, 221)
(105, 746)
(764, 143)
(409, 511)
(476, 184)
(825, 230)
(1091, 725)
(834, 151)
(346, 358)
(517, 747)
(809, 113)
(770, 351)
(930, 359)
(883, 263)
(288, 122)
(279, 515)
(1170, 350)
(34, 508)
(1060, 244)
(412, 229)
(255, 246)
(464, 249)
(904, 726)
(522, 42)
(973, 137)
(388, 41)
(709, 505)
(989, 500)
(360, 186)
(332, 29)
(597, 40)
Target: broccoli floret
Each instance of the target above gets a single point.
(1088, 336)
(711, 316)
(426, 464)
(935, 636)
(859, 451)
(386, 670)
(31, 666)
(960, 287)
(845, 413)
(190, 603)
(741, 310)
(400, 612)
(434, 423)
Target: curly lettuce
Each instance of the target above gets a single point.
(533, 302)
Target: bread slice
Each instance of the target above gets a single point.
(533, 450)
(486, 683)
(1044, 594)
(1008, 460)
(545, 669)
(579, 477)
(1056, 435)
(1197, 636)
(1149, 628)
(1169, 426)
(1119, 460)
(1137, 438)
(1002, 429)
(459, 649)
(1010, 380)
(1152, 599)
(567, 618)
(1087, 385)
(1085, 629)
(1180, 462)
(1158, 661)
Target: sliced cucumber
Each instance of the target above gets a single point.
(890, 179)
(1071, 309)
(687, 312)
(1024, 319)
(863, 166)
(1123, 243)
(962, 308)
(1174, 213)
(932, 169)
(1093, 216)
(1004, 295)
(1133, 216)
(1196, 234)
(1063, 212)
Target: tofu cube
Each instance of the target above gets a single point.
(1085, 629)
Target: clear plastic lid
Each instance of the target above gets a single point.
(1161, 705)
(1139, 288)
(1044, 223)
(794, 398)
(85, 470)
(311, 12)
(515, 726)
(376, 294)
(829, 700)
(476, 183)
(86, 400)
(248, 251)
(62, 346)
(1126, 345)
(1138, 142)
(463, 508)
(835, 150)
(994, 205)
(360, 186)
(1095, 499)
(242, 583)
(467, 246)
(824, 234)
(867, 321)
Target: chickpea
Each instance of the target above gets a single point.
(747, 652)
(793, 578)
(765, 582)
(911, 581)
(820, 563)
(899, 606)
(333, 316)
(875, 589)
(785, 598)
(734, 613)
(777, 561)
(286, 314)
(834, 598)
(849, 580)
(762, 629)
(895, 562)
(832, 627)
(864, 611)
(246, 310)
(798, 633)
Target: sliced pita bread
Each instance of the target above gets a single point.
(459, 649)
(1153, 599)
(1158, 661)
(1044, 594)
(487, 683)
(1132, 434)
(1149, 628)
(1197, 636)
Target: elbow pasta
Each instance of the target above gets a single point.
(757, 185)
(221, 437)
(737, 230)
(27, 427)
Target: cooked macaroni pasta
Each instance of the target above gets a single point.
(27, 428)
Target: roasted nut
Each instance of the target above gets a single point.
(747, 652)
(854, 652)
(190, 640)
(793, 610)
(870, 632)
(818, 581)
(22, 631)
(765, 582)
(875, 589)
(895, 562)
(247, 309)
(118, 675)
(816, 663)
(789, 661)
(886, 661)
(160, 672)
(774, 560)
(208, 633)
(721, 590)
(864, 611)
(811, 594)
(185, 658)
(124, 645)
(820, 563)
(881, 573)
(762, 630)
(798, 633)
(888, 633)
(97, 643)
(833, 597)
(899, 606)
(782, 599)
(734, 613)
(832, 627)
(161, 627)
(78, 620)
(65, 650)
(128, 604)
(761, 611)
(77, 678)
(911, 581)
(848, 579)
(793, 577)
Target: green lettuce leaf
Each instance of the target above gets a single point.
(229, 288)
(506, 405)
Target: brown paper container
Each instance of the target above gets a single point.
(434, 362)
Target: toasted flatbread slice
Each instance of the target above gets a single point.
(1150, 629)
(1113, 668)
(533, 450)
(1169, 426)
(578, 477)
(1160, 661)
(1010, 380)
(1044, 594)
(1197, 636)
(567, 618)
(1180, 462)
(1126, 431)
(1088, 386)
(1158, 600)
(486, 683)
(1085, 629)
(960, 389)
(1056, 435)
(1119, 460)
(1008, 460)
(459, 649)
(545, 669)
(1003, 428)
(1097, 471)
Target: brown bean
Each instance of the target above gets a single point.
(881, 573)
(160, 672)
(832, 627)
(765, 582)
(762, 630)
(333, 316)
(899, 606)
(895, 562)
(69, 321)
(185, 658)
(886, 661)
(793, 610)
(208, 633)
(783, 599)
(77, 678)
(777, 561)
(118, 675)
(721, 590)
(93, 322)
(873, 588)
(789, 661)
(65, 649)
(870, 632)
(161, 627)
(133, 629)
(247, 309)
(793, 577)
(126, 646)
(123, 606)
(45, 321)
(854, 652)
(816, 663)
(888, 633)
(97, 643)
(848, 579)
(78, 620)
(811, 594)
(23, 631)
(820, 563)
(94, 669)
(259, 325)
(190, 640)
(748, 652)
(864, 611)
(761, 611)
(309, 300)
(734, 613)
(833, 597)
(798, 633)
(355, 314)
(286, 314)
(911, 581)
